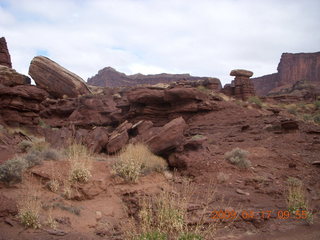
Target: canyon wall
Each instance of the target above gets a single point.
(293, 67)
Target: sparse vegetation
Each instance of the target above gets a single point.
(255, 100)
(238, 157)
(222, 177)
(316, 118)
(317, 104)
(29, 211)
(135, 160)
(80, 163)
(164, 216)
(296, 199)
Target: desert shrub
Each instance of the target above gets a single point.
(222, 177)
(255, 100)
(135, 160)
(80, 163)
(53, 185)
(307, 117)
(317, 104)
(51, 154)
(316, 118)
(33, 158)
(25, 145)
(197, 137)
(11, 171)
(190, 236)
(238, 157)
(28, 212)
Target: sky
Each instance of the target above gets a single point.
(200, 37)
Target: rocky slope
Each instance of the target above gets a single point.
(109, 77)
(293, 67)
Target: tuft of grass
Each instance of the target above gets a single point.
(296, 199)
(29, 211)
(238, 157)
(164, 216)
(25, 145)
(53, 185)
(255, 100)
(80, 163)
(135, 160)
(222, 177)
(317, 104)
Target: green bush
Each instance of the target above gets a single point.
(33, 158)
(51, 154)
(238, 157)
(255, 100)
(155, 235)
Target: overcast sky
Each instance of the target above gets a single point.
(200, 37)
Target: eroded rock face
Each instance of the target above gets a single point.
(292, 67)
(5, 58)
(242, 86)
(21, 104)
(9, 77)
(55, 79)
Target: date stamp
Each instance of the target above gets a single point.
(265, 214)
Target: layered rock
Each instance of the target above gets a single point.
(109, 77)
(21, 104)
(292, 68)
(9, 77)
(242, 86)
(55, 79)
(5, 58)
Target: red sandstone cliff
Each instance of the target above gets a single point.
(109, 77)
(293, 67)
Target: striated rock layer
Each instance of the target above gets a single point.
(109, 77)
(5, 59)
(293, 67)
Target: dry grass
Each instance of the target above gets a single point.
(165, 216)
(296, 199)
(29, 207)
(135, 160)
(80, 160)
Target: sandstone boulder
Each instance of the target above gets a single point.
(119, 137)
(241, 73)
(9, 77)
(97, 139)
(58, 81)
(167, 137)
(5, 58)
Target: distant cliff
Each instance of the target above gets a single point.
(293, 67)
(109, 77)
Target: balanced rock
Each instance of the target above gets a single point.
(5, 59)
(241, 73)
(9, 77)
(55, 79)
(241, 87)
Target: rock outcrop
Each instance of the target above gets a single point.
(242, 86)
(21, 104)
(292, 68)
(5, 58)
(109, 77)
(9, 77)
(55, 79)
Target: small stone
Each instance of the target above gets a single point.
(242, 192)
(98, 215)
(292, 165)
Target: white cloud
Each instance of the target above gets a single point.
(203, 37)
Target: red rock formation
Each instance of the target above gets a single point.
(242, 86)
(9, 77)
(55, 79)
(292, 68)
(109, 77)
(21, 104)
(5, 59)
